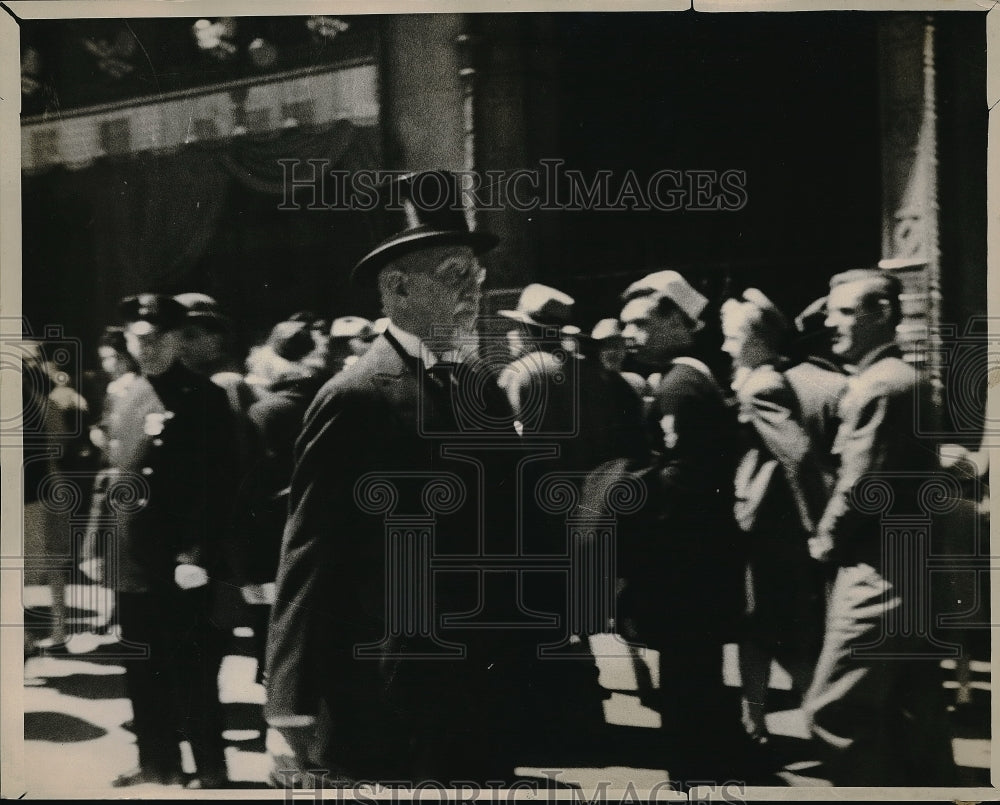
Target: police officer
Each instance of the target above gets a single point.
(171, 446)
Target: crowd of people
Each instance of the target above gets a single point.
(237, 493)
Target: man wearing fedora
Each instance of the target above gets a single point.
(591, 412)
(609, 346)
(345, 686)
(586, 415)
(685, 585)
(171, 443)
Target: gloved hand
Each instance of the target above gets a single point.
(821, 548)
(189, 577)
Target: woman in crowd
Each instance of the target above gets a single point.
(781, 488)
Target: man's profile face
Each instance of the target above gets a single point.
(856, 326)
(743, 338)
(657, 336)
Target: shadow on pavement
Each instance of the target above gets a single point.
(59, 728)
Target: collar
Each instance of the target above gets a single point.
(413, 346)
(890, 350)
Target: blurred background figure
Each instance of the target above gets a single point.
(536, 350)
(285, 351)
(350, 338)
(46, 532)
(609, 344)
(691, 534)
(208, 348)
(289, 386)
(569, 399)
(120, 371)
(782, 485)
(611, 349)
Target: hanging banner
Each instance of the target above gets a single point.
(301, 100)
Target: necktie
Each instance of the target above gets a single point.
(442, 374)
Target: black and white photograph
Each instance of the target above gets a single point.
(577, 401)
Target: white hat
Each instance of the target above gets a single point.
(673, 286)
(351, 327)
(542, 306)
(606, 329)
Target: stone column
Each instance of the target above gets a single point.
(422, 91)
(910, 244)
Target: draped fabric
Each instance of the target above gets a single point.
(176, 222)
(255, 161)
(153, 218)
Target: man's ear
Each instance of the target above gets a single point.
(393, 282)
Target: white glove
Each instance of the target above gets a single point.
(189, 577)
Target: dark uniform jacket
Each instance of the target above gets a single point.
(386, 420)
(172, 455)
(685, 577)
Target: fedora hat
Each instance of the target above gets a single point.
(542, 306)
(674, 287)
(415, 211)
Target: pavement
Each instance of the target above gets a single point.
(76, 716)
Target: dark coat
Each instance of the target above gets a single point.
(386, 713)
(276, 419)
(792, 418)
(172, 449)
(685, 573)
(783, 484)
(593, 414)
